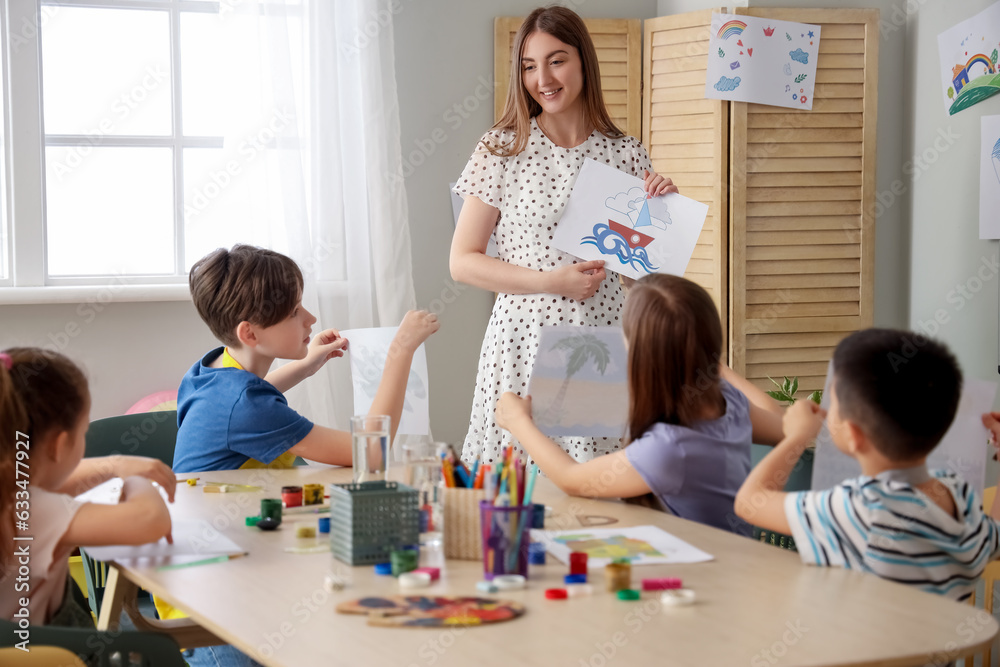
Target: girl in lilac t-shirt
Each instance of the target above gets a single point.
(690, 421)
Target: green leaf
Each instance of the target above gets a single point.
(795, 386)
(787, 387)
(816, 397)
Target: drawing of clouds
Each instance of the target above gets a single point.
(799, 56)
(659, 216)
(726, 84)
(787, 69)
(625, 202)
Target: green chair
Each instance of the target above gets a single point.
(152, 434)
(101, 649)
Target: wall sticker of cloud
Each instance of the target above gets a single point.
(799, 56)
(726, 84)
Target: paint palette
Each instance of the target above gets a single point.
(431, 611)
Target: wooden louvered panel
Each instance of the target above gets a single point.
(619, 47)
(802, 196)
(687, 136)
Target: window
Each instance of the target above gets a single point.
(159, 129)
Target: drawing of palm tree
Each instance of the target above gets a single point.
(581, 349)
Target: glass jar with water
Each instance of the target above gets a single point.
(422, 471)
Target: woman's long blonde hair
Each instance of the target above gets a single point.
(566, 26)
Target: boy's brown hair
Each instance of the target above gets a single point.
(245, 284)
(674, 342)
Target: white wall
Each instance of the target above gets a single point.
(130, 350)
(444, 58)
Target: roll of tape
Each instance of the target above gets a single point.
(678, 597)
(414, 580)
(509, 582)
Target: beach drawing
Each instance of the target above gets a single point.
(578, 384)
(771, 70)
(367, 350)
(642, 545)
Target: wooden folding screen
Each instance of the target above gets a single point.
(687, 136)
(802, 198)
(619, 51)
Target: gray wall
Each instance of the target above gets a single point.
(444, 58)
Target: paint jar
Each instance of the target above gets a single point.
(270, 508)
(370, 447)
(291, 496)
(312, 494)
(506, 539)
(618, 576)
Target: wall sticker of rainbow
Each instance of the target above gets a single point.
(980, 58)
(730, 28)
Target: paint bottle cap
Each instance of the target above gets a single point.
(628, 594)
(509, 582)
(251, 521)
(414, 580)
(556, 594)
(383, 568)
(433, 572)
(486, 587)
(575, 579)
(678, 597)
(580, 590)
(324, 524)
(664, 584)
(536, 553)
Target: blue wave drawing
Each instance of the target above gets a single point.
(619, 247)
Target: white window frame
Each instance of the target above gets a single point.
(27, 281)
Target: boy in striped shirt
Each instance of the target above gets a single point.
(893, 396)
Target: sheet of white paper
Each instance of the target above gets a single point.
(989, 178)
(193, 539)
(579, 384)
(367, 349)
(645, 545)
(968, 55)
(608, 217)
(106, 493)
(962, 450)
(456, 208)
(759, 60)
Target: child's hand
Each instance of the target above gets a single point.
(656, 185)
(416, 327)
(991, 420)
(152, 469)
(327, 344)
(511, 409)
(803, 421)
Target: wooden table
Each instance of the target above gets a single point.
(757, 604)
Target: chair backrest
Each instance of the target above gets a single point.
(151, 434)
(103, 649)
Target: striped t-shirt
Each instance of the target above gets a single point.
(893, 530)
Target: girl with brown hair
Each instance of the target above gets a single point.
(691, 419)
(516, 186)
(44, 414)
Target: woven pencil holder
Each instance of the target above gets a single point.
(462, 537)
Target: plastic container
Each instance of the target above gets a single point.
(369, 520)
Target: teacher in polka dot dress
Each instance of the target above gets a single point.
(515, 186)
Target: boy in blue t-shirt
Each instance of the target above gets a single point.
(893, 397)
(231, 412)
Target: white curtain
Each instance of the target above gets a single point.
(332, 183)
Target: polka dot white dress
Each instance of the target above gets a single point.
(531, 190)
